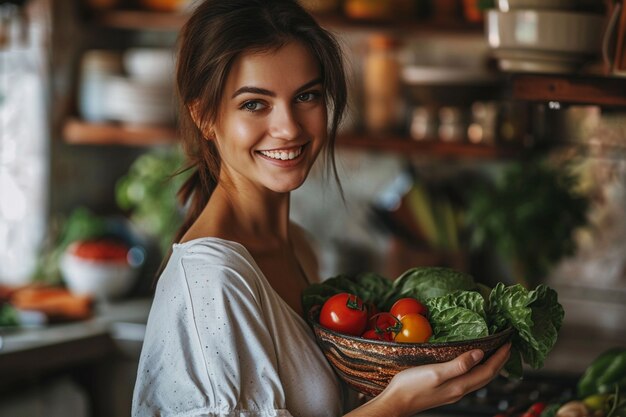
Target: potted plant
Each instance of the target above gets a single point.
(528, 217)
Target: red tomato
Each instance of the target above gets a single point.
(374, 335)
(384, 325)
(344, 313)
(536, 409)
(408, 305)
(415, 329)
(370, 334)
(384, 322)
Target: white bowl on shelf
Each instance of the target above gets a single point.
(543, 40)
(150, 64)
(545, 30)
(99, 278)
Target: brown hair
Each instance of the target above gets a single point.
(215, 35)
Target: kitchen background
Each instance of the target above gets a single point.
(479, 136)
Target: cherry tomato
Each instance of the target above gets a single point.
(406, 306)
(376, 335)
(536, 409)
(384, 325)
(344, 313)
(384, 322)
(415, 329)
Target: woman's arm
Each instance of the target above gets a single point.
(423, 387)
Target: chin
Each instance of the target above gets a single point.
(286, 187)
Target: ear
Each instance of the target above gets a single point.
(204, 127)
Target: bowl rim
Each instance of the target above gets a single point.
(311, 319)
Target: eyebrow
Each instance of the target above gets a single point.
(265, 92)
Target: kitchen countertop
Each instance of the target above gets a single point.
(28, 352)
(589, 328)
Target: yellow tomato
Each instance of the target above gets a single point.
(415, 329)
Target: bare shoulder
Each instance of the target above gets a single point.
(305, 251)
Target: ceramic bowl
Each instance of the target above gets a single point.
(100, 278)
(367, 365)
(545, 30)
(556, 31)
(150, 64)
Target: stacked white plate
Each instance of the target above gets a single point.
(138, 102)
(145, 96)
(543, 35)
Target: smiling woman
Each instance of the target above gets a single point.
(272, 127)
(262, 90)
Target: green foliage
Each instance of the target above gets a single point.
(427, 282)
(459, 315)
(604, 373)
(149, 190)
(79, 225)
(536, 316)
(529, 216)
(8, 316)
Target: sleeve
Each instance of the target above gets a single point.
(207, 350)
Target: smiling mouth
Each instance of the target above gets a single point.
(283, 154)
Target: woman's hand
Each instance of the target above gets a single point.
(423, 387)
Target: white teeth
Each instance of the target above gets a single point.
(283, 155)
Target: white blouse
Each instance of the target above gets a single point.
(221, 342)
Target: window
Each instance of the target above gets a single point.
(24, 135)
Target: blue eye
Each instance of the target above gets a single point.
(252, 106)
(305, 97)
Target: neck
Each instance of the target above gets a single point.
(252, 214)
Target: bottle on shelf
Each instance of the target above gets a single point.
(381, 76)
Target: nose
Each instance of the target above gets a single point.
(284, 123)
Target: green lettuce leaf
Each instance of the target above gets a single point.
(536, 315)
(547, 318)
(457, 316)
(428, 282)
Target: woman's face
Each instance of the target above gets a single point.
(272, 121)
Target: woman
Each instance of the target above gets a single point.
(262, 90)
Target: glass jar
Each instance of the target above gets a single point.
(97, 66)
(381, 76)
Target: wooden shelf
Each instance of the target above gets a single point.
(148, 20)
(407, 146)
(602, 91)
(143, 20)
(84, 133)
(414, 25)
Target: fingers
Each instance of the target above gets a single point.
(460, 365)
(482, 374)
